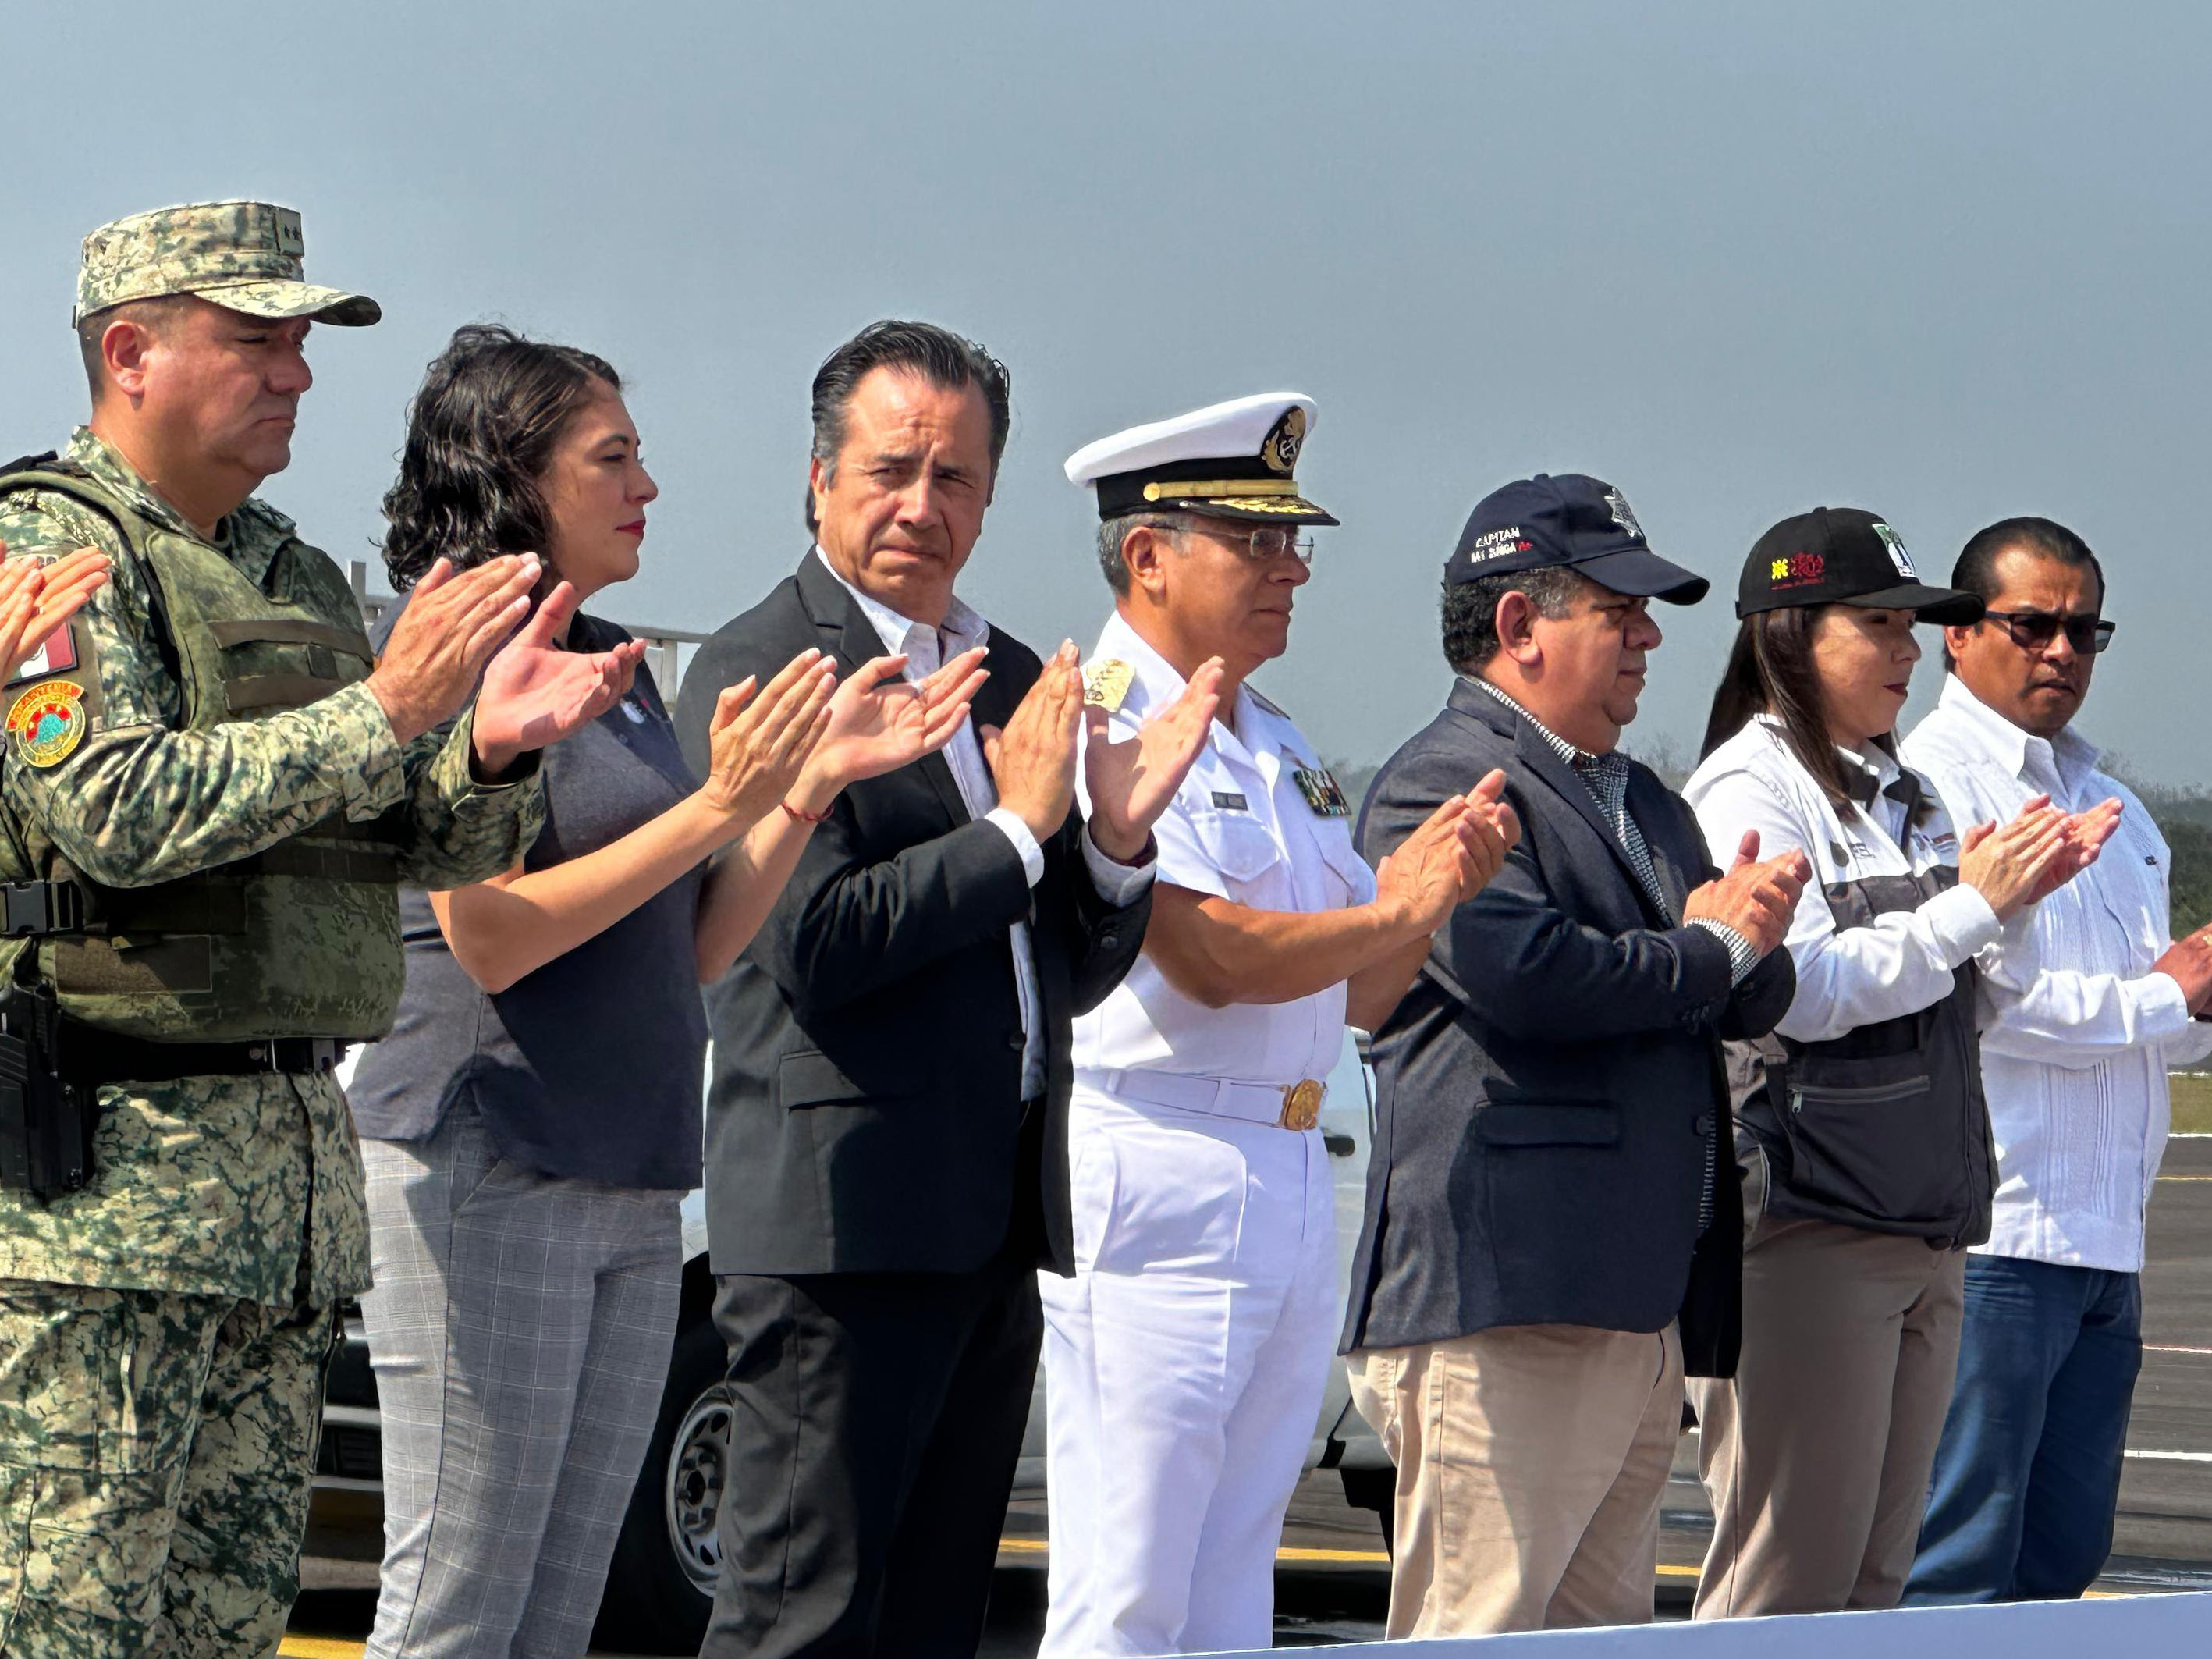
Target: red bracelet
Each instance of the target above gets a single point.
(798, 814)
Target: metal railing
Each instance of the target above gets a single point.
(662, 644)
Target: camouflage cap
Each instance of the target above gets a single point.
(243, 256)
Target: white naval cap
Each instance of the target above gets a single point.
(1229, 460)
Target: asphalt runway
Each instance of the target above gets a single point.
(1332, 1578)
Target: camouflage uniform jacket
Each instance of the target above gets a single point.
(246, 1186)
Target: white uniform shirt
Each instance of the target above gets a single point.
(963, 630)
(1859, 975)
(1240, 829)
(2077, 1031)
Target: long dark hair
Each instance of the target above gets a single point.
(1769, 671)
(480, 434)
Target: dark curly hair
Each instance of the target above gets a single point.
(480, 434)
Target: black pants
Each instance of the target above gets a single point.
(877, 1420)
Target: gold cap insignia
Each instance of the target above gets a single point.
(1105, 683)
(1287, 437)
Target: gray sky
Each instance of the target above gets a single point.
(1948, 262)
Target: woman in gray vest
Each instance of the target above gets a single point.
(1865, 1145)
(533, 1122)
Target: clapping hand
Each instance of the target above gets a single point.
(2188, 962)
(1757, 897)
(37, 598)
(1032, 758)
(2014, 865)
(2081, 838)
(1131, 782)
(535, 693)
(757, 745)
(1422, 880)
(454, 623)
(879, 722)
(1490, 829)
(1456, 852)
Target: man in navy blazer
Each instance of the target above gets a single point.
(1554, 1226)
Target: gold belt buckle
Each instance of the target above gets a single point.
(1301, 1104)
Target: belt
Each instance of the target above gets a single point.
(91, 1056)
(1285, 1105)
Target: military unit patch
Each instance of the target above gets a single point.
(47, 722)
(1106, 683)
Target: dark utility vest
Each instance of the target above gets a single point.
(300, 939)
(1883, 1129)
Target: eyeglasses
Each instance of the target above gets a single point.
(1268, 542)
(2033, 630)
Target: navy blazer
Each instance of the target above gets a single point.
(866, 1112)
(1546, 1091)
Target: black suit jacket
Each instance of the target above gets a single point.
(1546, 1091)
(865, 1113)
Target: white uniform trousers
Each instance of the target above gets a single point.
(1185, 1365)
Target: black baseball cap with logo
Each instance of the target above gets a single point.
(1844, 555)
(1567, 518)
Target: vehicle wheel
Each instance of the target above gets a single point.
(1376, 1489)
(660, 1586)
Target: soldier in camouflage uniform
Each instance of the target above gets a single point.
(211, 764)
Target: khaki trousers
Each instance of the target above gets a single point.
(1817, 1454)
(1531, 1461)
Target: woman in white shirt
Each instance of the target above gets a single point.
(1865, 1141)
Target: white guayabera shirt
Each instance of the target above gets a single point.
(2077, 1031)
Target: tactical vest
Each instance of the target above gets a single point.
(1885, 1127)
(300, 939)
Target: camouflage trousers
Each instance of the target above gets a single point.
(155, 1452)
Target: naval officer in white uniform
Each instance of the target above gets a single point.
(1186, 1360)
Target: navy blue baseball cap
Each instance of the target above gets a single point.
(1567, 518)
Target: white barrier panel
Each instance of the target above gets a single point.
(2131, 1627)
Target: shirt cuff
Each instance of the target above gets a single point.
(455, 768)
(1032, 855)
(1743, 956)
(1120, 884)
(2160, 1005)
(1962, 922)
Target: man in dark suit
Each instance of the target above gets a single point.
(1554, 1226)
(886, 1134)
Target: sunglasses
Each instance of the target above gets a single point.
(2033, 630)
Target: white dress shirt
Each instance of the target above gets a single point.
(1860, 975)
(926, 650)
(2077, 1031)
(1239, 828)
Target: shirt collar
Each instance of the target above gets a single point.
(1158, 681)
(106, 464)
(1571, 753)
(963, 628)
(1871, 771)
(2071, 754)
